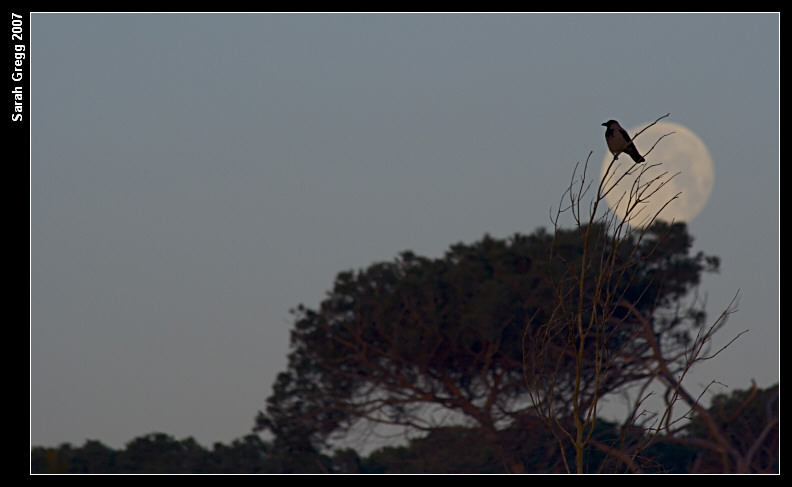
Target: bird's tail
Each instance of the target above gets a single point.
(633, 152)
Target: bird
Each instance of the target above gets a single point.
(619, 141)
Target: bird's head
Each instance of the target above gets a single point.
(609, 123)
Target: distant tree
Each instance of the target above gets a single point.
(296, 454)
(40, 461)
(247, 455)
(93, 457)
(155, 453)
(441, 451)
(461, 450)
(161, 453)
(738, 433)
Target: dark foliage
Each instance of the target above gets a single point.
(747, 414)
(749, 419)
(408, 341)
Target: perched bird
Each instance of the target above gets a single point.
(619, 141)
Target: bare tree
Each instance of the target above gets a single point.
(603, 336)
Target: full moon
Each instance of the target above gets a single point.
(685, 160)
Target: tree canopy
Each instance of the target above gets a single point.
(428, 343)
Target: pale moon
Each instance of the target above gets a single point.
(681, 154)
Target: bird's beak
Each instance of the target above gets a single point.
(605, 124)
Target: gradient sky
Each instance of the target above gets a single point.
(193, 177)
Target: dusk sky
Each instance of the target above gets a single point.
(193, 177)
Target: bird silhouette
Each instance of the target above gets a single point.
(619, 141)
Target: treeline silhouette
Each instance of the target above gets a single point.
(442, 451)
